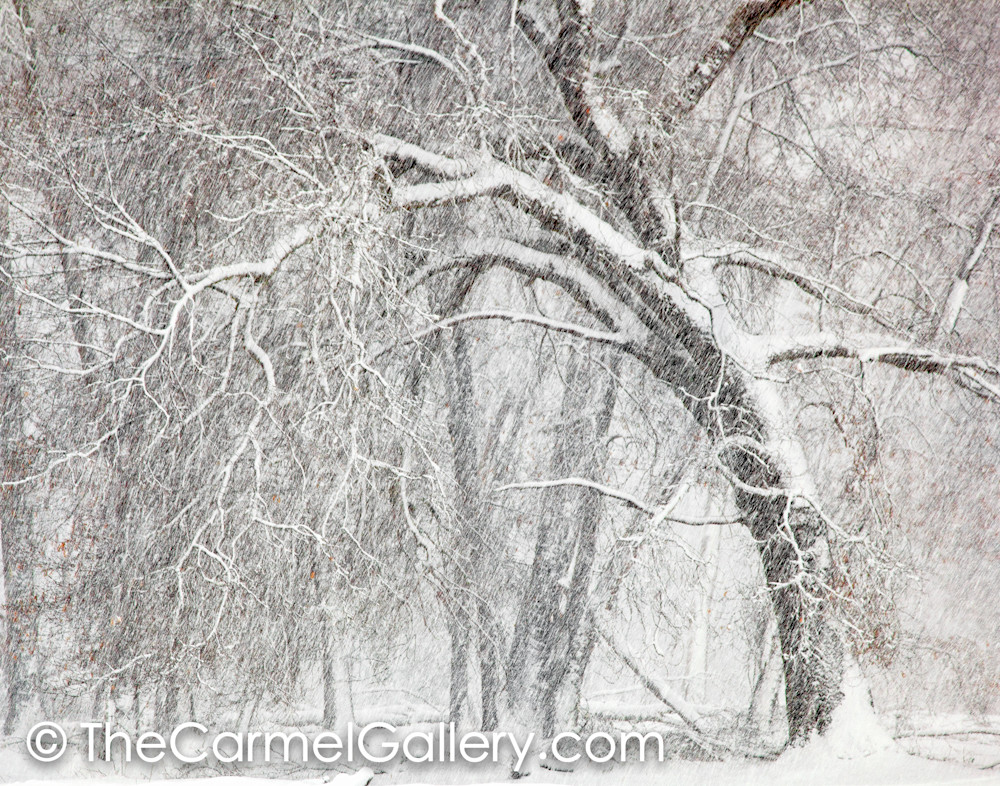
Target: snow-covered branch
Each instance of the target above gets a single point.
(960, 284)
(743, 23)
(481, 184)
(562, 271)
(657, 513)
(627, 168)
(569, 59)
(442, 166)
(663, 693)
(579, 331)
(493, 178)
(887, 351)
(280, 249)
(415, 49)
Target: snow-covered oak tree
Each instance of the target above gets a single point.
(610, 227)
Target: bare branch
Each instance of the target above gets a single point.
(663, 693)
(415, 49)
(773, 265)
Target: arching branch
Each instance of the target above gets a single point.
(578, 331)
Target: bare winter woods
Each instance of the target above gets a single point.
(540, 363)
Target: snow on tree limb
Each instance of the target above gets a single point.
(960, 284)
(442, 166)
(664, 693)
(886, 350)
(493, 178)
(562, 271)
(579, 331)
(568, 56)
(415, 49)
(621, 151)
(658, 513)
(772, 264)
(282, 247)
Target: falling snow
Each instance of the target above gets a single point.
(525, 370)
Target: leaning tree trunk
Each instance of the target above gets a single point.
(812, 649)
(738, 411)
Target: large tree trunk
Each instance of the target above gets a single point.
(686, 337)
(789, 534)
(489, 667)
(811, 646)
(458, 685)
(473, 621)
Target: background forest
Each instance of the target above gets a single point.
(541, 363)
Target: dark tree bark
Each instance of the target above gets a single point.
(458, 685)
(742, 24)
(463, 429)
(490, 674)
(790, 536)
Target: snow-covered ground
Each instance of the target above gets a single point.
(816, 765)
